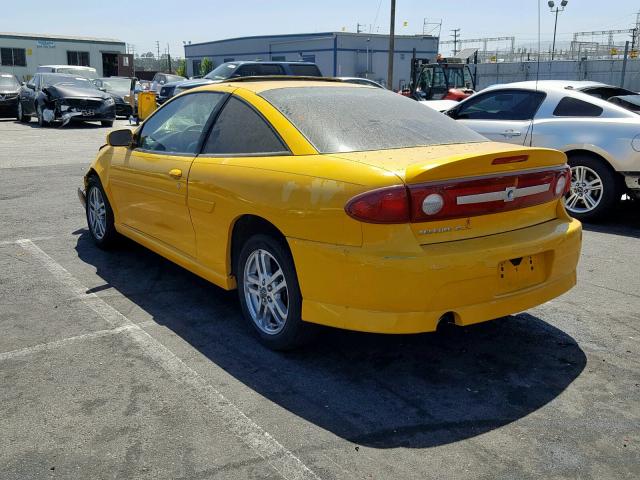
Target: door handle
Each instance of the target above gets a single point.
(175, 173)
(511, 133)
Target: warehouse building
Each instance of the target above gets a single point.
(338, 54)
(22, 53)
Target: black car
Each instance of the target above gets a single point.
(57, 97)
(228, 70)
(9, 88)
(119, 88)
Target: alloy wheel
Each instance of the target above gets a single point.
(266, 292)
(97, 213)
(586, 190)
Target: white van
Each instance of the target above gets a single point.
(86, 72)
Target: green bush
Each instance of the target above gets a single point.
(206, 66)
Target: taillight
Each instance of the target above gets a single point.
(460, 198)
(385, 205)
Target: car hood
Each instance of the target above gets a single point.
(4, 91)
(62, 91)
(198, 82)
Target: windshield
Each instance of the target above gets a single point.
(174, 78)
(67, 80)
(221, 72)
(8, 81)
(117, 84)
(352, 119)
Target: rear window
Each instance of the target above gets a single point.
(352, 119)
(574, 107)
(305, 70)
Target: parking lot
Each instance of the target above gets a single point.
(122, 365)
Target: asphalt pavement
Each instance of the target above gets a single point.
(122, 365)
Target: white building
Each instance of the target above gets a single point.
(22, 53)
(339, 54)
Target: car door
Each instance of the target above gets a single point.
(227, 172)
(503, 115)
(149, 181)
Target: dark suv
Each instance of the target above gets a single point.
(229, 70)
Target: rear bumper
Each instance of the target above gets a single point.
(352, 288)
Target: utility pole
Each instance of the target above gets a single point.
(455, 35)
(169, 57)
(360, 27)
(158, 49)
(392, 30)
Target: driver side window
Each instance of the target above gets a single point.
(178, 126)
(501, 105)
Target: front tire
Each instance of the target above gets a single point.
(594, 191)
(41, 121)
(20, 114)
(99, 215)
(269, 293)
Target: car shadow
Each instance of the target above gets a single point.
(624, 220)
(381, 391)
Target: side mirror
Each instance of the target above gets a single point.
(31, 86)
(120, 138)
(102, 89)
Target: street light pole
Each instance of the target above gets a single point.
(558, 9)
(391, 45)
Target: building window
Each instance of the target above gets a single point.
(78, 58)
(13, 57)
(309, 58)
(228, 59)
(196, 67)
(278, 58)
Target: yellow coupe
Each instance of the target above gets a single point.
(338, 204)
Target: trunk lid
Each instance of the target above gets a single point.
(482, 161)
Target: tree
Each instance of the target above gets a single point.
(181, 68)
(206, 66)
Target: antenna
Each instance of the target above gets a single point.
(537, 74)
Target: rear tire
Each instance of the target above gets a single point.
(270, 295)
(595, 189)
(107, 123)
(100, 215)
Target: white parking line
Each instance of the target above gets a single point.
(260, 441)
(59, 343)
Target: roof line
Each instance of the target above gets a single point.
(35, 36)
(293, 35)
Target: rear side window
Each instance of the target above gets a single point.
(501, 105)
(256, 69)
(574, 107)
(352, 119)
(305, 70)
(239, 130)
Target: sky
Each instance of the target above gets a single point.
(177, 21)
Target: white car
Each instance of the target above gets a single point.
(601, 139)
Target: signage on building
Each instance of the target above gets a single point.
(45, 44)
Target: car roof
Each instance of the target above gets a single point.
(261, 84)
(269, 62)
(547, 85)
(66, 66)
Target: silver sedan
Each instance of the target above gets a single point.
(601, 139)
